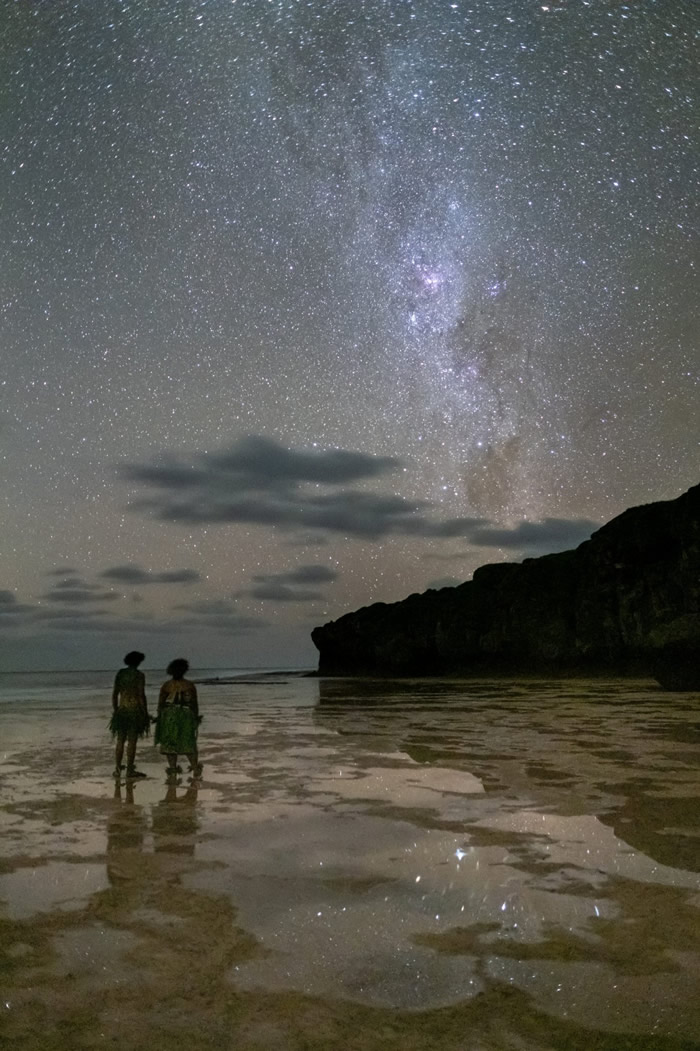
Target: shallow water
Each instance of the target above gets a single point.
(365, 864)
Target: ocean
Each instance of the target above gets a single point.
(365, 864)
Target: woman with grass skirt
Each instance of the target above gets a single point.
(130, 719)
(178, 719)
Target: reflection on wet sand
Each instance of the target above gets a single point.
(397, 866)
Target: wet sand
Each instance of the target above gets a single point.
(411, 865)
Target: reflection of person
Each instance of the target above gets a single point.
(126, 831)
(175, 821)
(178, 719)
(130, 719)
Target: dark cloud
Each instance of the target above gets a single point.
(128, 574)
(258, 481)
(257, 461)
(551, 534)
(349, 512)
(10, 607)
(177, 576)
(309, 574)
(272, 591)
(80, 595)
(74, 581)
(68, 571)
(58, 613)
(132, 574)
(451, 528)
(73, 590)
(292, 586)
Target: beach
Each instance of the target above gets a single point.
(364, 864)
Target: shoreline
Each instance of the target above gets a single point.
(262, 678)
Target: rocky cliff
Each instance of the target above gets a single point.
(627, 601)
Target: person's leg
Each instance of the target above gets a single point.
(194, 763)
(172, 762)
(131, 739)
(119, 753)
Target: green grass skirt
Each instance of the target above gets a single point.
(176, 730)
(127, 721)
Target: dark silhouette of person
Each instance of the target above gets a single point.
(130, 719)
(178, 719)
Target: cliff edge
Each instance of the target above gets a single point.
(627, 601)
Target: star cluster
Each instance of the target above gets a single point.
(454, 239)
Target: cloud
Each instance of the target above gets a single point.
(10, 607)
(80, 595)
(74, 581)
(255, 463)
(302, 575)
(292, 586)
(452, 528)
(75, 591)
(258, 481)
(132, 574)
(551, 534)
(177, 576)
(350, 512)
(260, 461)
(278, 592)
(67, 613)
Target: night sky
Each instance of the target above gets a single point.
(314, 303)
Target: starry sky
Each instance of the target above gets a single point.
(307, 304)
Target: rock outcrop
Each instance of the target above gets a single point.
(627, 601)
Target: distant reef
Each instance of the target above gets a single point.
(625, 602)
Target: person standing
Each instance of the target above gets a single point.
(130, 719)
(178, 719)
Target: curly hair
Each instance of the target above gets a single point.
(134, 658)
(178, 667)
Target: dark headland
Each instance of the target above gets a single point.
(625, 602)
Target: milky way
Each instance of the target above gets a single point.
(456, 240)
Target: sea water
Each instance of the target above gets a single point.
(365, 863)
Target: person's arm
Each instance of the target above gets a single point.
(162, 697)
(142, 683)
(194, 703)
(115, 693)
